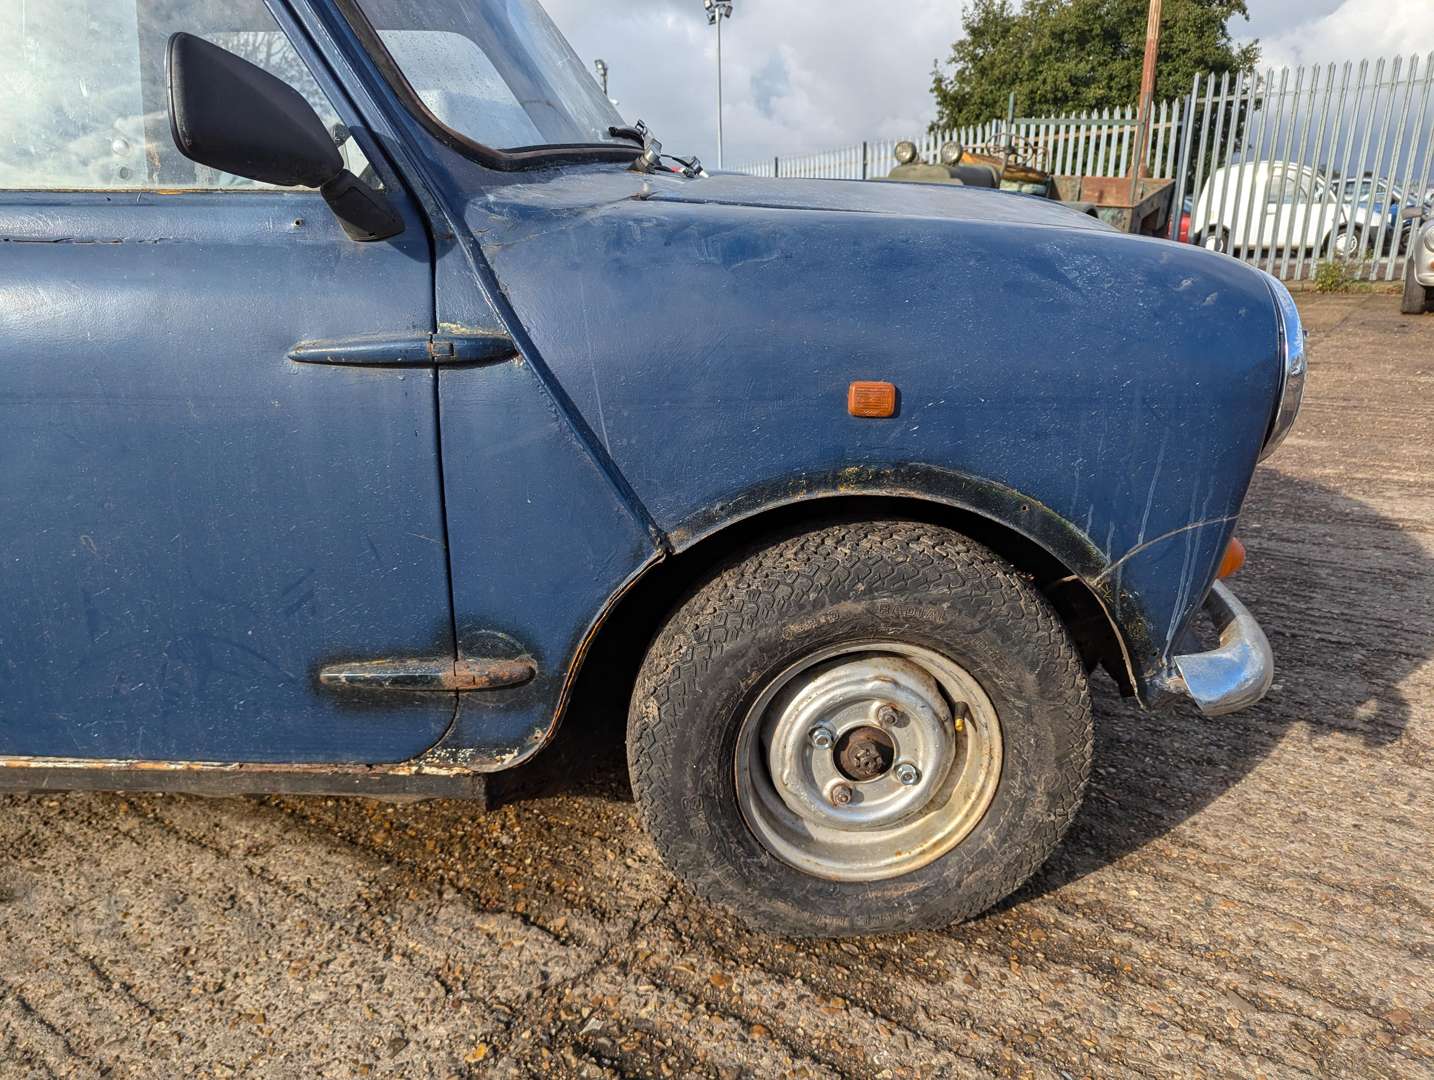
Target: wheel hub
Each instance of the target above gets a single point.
(865, 753)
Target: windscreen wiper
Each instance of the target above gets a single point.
(638, 134)
(650, 160)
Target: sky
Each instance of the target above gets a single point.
(808, 75)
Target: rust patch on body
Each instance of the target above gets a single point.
(491, 674)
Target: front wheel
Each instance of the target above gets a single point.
(873, 727)
(1416, 296)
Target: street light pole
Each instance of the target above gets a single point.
(601, 67)
(717, 10)
(719, 91)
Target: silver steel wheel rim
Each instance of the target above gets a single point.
(788, 774)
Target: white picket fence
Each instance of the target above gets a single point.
(861, 161)
(1363, 132)
(1100, 144)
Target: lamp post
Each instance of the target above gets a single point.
(717, 10)
(600, 66)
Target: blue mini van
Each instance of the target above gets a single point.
(364, 382)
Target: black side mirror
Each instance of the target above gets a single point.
(227, 113)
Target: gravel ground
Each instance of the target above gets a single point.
(1246, 897)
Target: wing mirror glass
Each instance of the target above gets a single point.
(229, 114)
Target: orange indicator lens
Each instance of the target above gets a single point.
(1233, 560)
(875, 400)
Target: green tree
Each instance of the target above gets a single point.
(1078, 55)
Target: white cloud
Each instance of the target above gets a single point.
(1353, 30)
(804, 75)
(799, 74)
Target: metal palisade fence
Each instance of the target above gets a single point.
(1294, 167)
(1286, 168)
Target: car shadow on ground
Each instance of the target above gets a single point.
(1343, 594)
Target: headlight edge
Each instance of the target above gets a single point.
(1294, 366)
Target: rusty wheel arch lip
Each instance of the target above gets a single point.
(923, 483)
(928, 485)
(916, 483)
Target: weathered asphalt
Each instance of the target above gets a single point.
(1246, 897)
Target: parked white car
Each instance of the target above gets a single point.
(1273, 206)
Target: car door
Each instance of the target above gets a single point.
(192, 523)
(1280, 202)
(1290, 223)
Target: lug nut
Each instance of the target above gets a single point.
(841, 794)
(821, 738)
(890, 715)
(908, 773)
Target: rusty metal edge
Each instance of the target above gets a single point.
(1011, 509)
(541, 740)
(439, 772)
(413, 779)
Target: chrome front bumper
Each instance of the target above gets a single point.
(1239, 672)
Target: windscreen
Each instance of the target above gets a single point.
(496, 71)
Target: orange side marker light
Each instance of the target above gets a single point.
(1233, 560)
(874, 400)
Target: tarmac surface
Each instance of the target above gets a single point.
(1246, 897)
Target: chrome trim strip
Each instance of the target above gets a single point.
(1238, 673)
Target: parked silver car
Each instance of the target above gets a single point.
(1419, 266)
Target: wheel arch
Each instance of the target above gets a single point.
(1061, 561)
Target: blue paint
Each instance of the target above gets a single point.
(709, 336)
(194, 523)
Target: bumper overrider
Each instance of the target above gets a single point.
(1233, 676)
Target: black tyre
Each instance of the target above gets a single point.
(1348, 244)
(1416, 297)
(1216, 240)
(873, 727)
